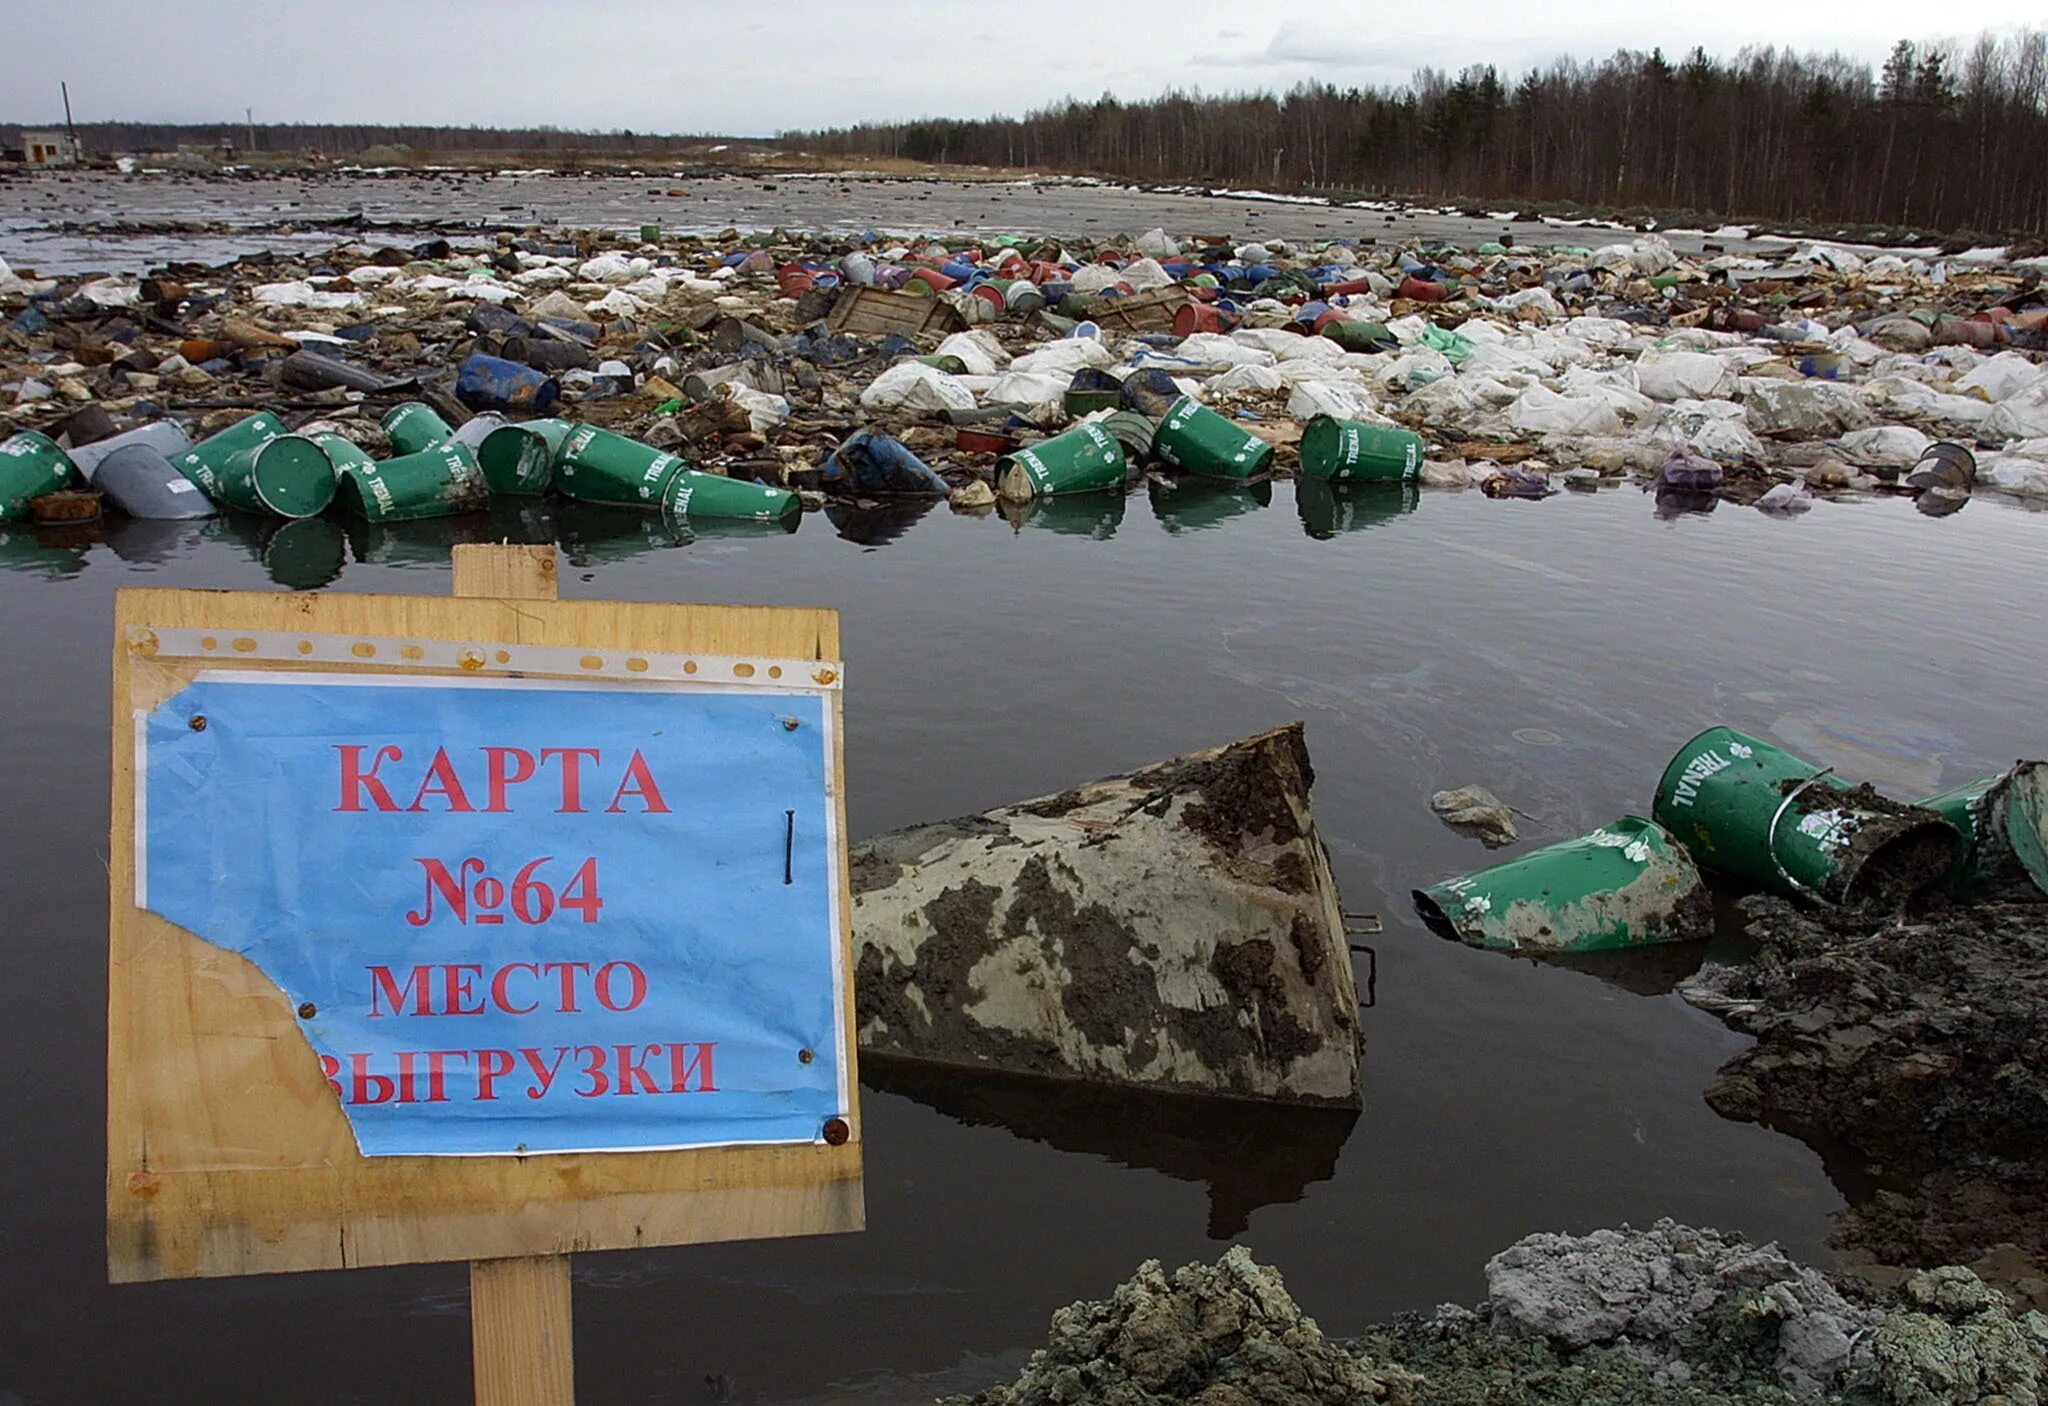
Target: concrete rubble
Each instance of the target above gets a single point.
(1670, 1316)
(1176, 929)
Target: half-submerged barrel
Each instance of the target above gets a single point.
(1197, 439)
(692, 494)
(31, 464)
(520, 459)
(598, 466)
(1628, 884)
(255, 466)
(438, 482)
(415, 426)
(1754, 813)
(1348, 449)
(1080, 461)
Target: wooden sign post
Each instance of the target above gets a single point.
(332, 1046)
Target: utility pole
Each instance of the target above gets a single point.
(71, 132)
(249, 115)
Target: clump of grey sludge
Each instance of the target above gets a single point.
(1668, 1315)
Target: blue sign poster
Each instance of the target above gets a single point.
(515, 915)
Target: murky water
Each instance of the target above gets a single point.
(35, 213)
(1557, 652)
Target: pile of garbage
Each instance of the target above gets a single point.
(1670, 1316)
(1029, 367)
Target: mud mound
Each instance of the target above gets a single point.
(1227, 1335)
(1914, 1043)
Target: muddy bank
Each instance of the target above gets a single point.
(1670, 1316)
(1916, 1045)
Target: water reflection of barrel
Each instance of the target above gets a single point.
(595, 534)
(1328, 509)
(52, 552)
(142, 541)
(301, 553)
(422, 543)
(1193, 504)
(876, 524)
(524, 520)
(1096, 515)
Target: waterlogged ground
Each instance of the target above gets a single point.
(1558, 652)
(44, 219)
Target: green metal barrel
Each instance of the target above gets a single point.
(1628, 884)
(1195, 438)
(1346, 449)
(1080, 461)
(520, 459)
(31, 464)
(415, 427)
(342, 454)
(1754, 813)
(2003, 820)
(598, 466)
(691, 495)
(255, 466)
(439, 482)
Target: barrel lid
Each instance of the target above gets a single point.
(293, 476)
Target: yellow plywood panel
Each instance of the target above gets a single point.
(226, 1151)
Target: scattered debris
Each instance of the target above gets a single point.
(1476, 811)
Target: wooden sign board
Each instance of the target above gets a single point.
(233, 1146)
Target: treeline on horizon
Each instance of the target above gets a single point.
(340, 139)
(1940, 136)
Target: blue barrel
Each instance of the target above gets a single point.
(492, 383)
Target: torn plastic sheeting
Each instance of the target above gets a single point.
(1684, 375)
(1628, 884)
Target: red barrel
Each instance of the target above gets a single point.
(1006, 259)
(932, 278)
(992, 294)
(1422, 292)
(1356, 285)
(1191, 318)
(1043, 273)
(796, 280)
(1325, 319)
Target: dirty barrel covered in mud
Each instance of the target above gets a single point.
(1761, 816)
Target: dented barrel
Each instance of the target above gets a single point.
(1754, 813)
(1081, 460)
(692, 494)
(1628, 884)
(2003, 820)
(1196, 439)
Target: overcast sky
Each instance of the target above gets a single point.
(755, 68)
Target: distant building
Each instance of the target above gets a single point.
(51, 149)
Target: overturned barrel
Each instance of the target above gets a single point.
(493, 383)
(31, 464)
(598, 466)
(1081, 460)
(520, 459)
(255, 466)
(2003, 820)
(1196, 439)
(415, 427)
(1349, 449)
(142, 483)
(1628, 884)
(1754, 813)
(439, 482)
(165, 437)
(692, 494)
